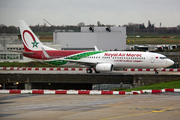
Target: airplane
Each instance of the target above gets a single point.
(100, 61)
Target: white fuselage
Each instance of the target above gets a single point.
(129, 59)
(99, 60)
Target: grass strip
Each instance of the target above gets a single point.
(163, 85)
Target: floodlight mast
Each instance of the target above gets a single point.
(47, 22)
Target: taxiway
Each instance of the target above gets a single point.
(89, 107)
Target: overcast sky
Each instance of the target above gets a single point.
(71, 12)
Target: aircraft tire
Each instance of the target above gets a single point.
(156, 72)
(89, 70)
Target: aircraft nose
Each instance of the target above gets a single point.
(170, 62)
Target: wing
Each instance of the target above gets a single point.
(71, 59)
(80, 62)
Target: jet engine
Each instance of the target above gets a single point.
(104, 67)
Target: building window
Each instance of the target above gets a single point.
(9, 56)
(3, 56)
(21, 56)
(16, 56)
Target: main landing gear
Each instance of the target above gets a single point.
(156, 72)
(89, 70)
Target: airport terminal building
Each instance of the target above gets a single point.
(105, 38)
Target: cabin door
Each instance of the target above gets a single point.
(152, 58)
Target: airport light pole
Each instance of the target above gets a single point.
(4, 86)
(177, 36)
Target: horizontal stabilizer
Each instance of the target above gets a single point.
(28, 53)
(24, 52)
(45, 53)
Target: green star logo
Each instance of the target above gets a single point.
(35, 44)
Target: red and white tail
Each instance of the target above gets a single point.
(30, 40)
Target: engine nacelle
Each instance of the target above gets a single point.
(104, 67)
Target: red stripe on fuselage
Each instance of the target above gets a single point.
(52, 53)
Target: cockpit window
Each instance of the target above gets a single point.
(163, 57)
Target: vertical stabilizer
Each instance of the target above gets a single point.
(30, 40)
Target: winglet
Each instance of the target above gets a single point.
(96, 49)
